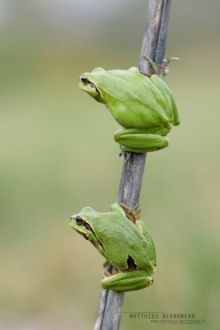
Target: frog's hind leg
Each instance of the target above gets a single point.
(140, 141)
(127, 281)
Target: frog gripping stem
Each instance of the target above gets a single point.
(141, 102)
(142, 105)
(153, 46)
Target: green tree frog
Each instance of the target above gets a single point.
(126, 245)
(142, 105)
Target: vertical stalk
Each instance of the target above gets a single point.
(154, 42)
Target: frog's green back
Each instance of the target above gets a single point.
(131, 92)
(164, 89)
(123, 242)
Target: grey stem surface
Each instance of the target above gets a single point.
(154, 43)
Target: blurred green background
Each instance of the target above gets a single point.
(58, 155)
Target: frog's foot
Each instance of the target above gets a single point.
(164, 70)
(140, 141)
(161, 69)
(106, 273)
(155, 67)
(109, 270)
(133, 213)
(127, 281)
(125, 154)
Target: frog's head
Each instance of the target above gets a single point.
(89, 83)
(84, 224)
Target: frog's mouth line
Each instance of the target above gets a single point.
(87, 82)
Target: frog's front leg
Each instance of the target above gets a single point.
(139, 141)
(127, 281)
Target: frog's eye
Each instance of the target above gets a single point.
(81, 222)
(86, 82)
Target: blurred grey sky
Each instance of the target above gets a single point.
(87, 18)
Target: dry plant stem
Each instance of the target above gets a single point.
(154, 42)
